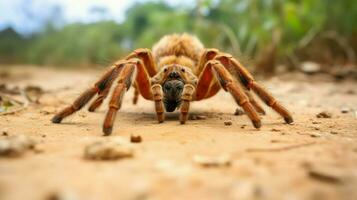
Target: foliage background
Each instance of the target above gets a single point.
(270, 32)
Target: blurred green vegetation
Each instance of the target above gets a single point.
(268, 31)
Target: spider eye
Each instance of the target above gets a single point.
(165, 70)
(183, 70)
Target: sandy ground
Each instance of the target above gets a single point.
(315, 158)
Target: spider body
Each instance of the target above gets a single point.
(177, 71)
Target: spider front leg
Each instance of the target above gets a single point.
(133, 68)
(102, 94)
(124, 82)
(86, 96)
(186, 98)
(159, 105)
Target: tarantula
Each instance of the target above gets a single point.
(177, 71)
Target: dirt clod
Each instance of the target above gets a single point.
(17, 145)
(212, 161)
(228, 123)
(324, 114)
(239, 112)
(135, 138)
(62, 195)
(112, 149)
(345, 110)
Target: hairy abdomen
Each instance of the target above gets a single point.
(181, 49)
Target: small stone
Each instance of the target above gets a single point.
(228, 123)
(212, 161)
(239, 112)
(334, 132)
(345, 110)
(310, 67)
(243, 126)
(324, 114)
(275, 130)
(315, 135)
(201, 117)
(326, 174)
(112, 149)
(315, 122)
(135, 138)
(62, 195)
(350, 91)
(43, 135)
(16, 145)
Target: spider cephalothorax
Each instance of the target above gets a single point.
(172, 80)
(179, 70)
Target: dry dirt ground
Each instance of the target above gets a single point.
(315, 158)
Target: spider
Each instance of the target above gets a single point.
(177, 71)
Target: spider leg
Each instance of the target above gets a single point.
(215, 68)
(146, 57)
(187, 94)
(248, 81)
(102, 94)
(159, 105)
(133, 68)
(204, 84)
(155, 92)
(86, 96)
(136, 94)
(255, 104)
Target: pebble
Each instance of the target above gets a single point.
(345, 110)
(201, 117)
(62, 195)
(16, 145)
(239, 112)
(326, 174)
(228, 123)
(324, 114)
(212, 161)
(350, 91)
(135, 138)
(315, 135)
(310, 67)
(112, 149)
(334, 132)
